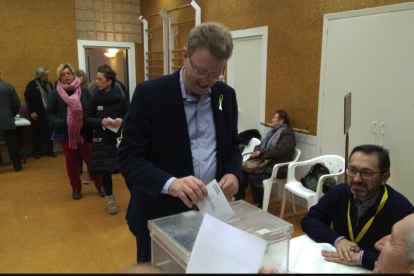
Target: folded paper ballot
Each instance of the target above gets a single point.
(222, 248)
(111, 128)
(215, 203)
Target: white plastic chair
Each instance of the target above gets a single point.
(250, 148)
(268, 183)
(335, 164)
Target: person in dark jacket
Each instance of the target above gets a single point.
(118, 83)
(9, 107)
(279, 145)
(64, 111)
(36, 94)
(105, 110)
(361, 211)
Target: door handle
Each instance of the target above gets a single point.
(382, 128)
(374, 127)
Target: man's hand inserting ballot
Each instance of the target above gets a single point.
(188, 187)
(229, 184)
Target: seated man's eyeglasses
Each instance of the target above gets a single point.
(365, 174)
(203, 74)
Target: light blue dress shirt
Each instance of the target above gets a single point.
(202, 133)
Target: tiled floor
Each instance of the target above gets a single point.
(43, 230)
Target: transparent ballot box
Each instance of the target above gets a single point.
(173, 237)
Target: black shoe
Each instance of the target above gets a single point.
(101, 191)
(52, 153)
(37, 155)
(18, 168)
(76, 194)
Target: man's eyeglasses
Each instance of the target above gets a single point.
(201, 74)
(365, 174)
(66, 74)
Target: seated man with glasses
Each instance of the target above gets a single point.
(361, 211)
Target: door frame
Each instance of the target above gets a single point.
(130, 46)
(251, 33)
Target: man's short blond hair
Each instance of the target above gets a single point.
(212, 36)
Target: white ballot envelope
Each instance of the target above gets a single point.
(222, 248)
(111, 128)
(215, 203)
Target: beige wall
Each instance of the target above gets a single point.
(35, 33)
(294, 43)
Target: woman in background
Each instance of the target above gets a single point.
(279, 145)
(36, 94)
(64, 111)
(106, 109)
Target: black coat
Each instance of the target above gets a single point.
(104, 150)
(156, 146)
(282, 153)
(9, 105)
(56, 110)
(34, 103)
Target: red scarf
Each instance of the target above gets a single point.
(74, 111)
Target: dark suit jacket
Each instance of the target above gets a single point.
(35, 104)
(155, 146)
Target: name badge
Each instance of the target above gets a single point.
(100, 107)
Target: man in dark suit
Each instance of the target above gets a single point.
(179, 134)
(9, 107)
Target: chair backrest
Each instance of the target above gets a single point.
(250, 147)
(296, 155)
(334, 163)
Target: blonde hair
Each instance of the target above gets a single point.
(42, 70)
(62, 67)
(80, 73)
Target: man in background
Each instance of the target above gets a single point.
(362, 211)
(9, 107)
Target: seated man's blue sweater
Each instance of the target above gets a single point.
(333, 208)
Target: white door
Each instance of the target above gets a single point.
(247, 75)
(370, 53)
(397, 109)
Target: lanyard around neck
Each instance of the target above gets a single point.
(366, 227)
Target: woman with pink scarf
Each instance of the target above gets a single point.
(64, 111)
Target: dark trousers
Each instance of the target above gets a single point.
(143, 248)
(80, 160)
(12, 144)
(42, 136)
(107, 183)
(256, 185)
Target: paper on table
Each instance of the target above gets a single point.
(215, 203)
(310, 259)
(111, 128)
(222, 248)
